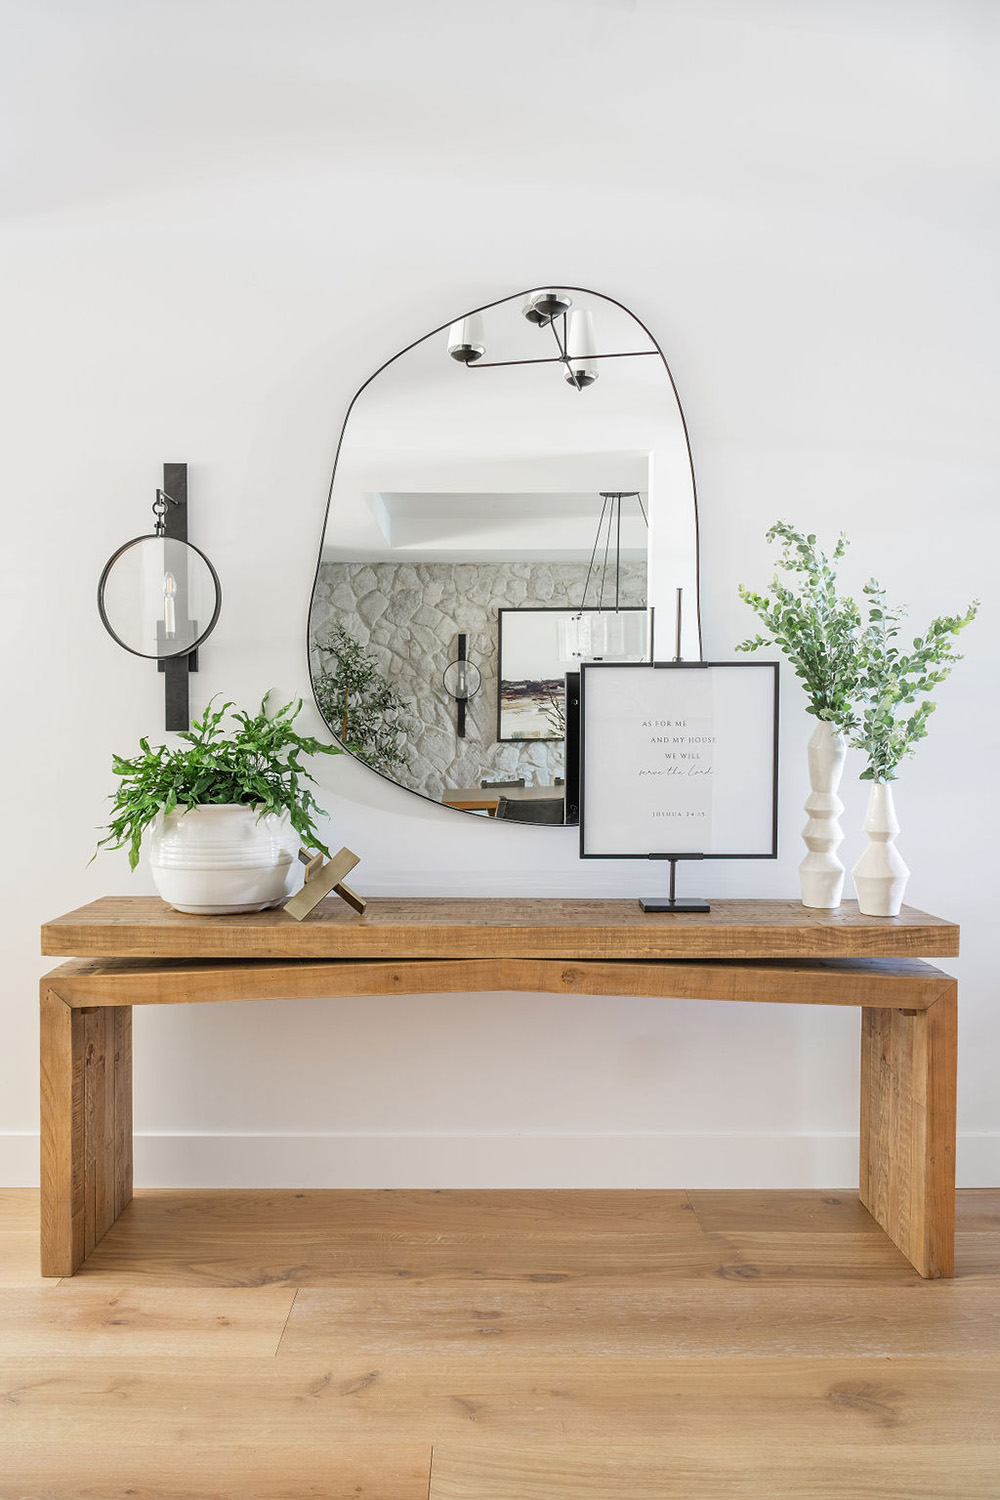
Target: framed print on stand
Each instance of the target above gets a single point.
(679, 761)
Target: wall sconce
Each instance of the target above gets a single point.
(462, 679)
(159, 596)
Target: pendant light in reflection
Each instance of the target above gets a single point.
(606, 630)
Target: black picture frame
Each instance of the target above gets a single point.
(679, 666)
(543, 609)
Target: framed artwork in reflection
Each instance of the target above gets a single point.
(536, 647)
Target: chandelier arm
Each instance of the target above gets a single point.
(500, 364)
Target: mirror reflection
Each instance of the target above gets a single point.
(511, 495)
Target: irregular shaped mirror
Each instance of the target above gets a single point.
(513, 494)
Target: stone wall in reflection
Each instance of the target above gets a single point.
(410, 616)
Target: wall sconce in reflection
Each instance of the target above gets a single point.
(160, 597)
(462, 679)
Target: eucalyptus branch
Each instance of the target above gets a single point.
(890, 679)
(811, 624)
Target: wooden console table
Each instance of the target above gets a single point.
(138, 951)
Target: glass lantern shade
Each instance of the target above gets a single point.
(604, 635)
(159, 597)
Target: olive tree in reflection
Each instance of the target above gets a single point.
(366, 713)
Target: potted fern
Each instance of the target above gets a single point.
(226, 813)
(817, 630)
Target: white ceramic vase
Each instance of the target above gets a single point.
(821, 874)
(880, 875)
(221, 858)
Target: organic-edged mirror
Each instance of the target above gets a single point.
(531, 458)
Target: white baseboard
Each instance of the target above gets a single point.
(570, 1159)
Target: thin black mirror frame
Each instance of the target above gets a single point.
(443, 328)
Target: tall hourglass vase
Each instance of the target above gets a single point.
(821, 873)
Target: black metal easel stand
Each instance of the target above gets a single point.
(671, 902)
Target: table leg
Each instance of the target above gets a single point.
(908, 1086)
(86, 1126)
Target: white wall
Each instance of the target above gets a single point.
(217, 219)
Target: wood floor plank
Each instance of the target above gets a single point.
(977, 1210)
(172, 1238)
(728, 1318)
(978, 1256)
(805, 1255)
(405, 1211)
(19, 1209)
(73, 1320)
(20, 1259)
(179, 1471)
(661, 1472)
(129, 1259)
(790, 1403)
(324, 1238)
(824, 1212)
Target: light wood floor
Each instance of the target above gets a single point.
(499, 1346)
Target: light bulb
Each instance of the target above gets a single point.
(169, 607)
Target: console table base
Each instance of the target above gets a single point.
(908, 1059)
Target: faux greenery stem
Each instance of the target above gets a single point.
(854, 672)
(889, 680)
(814, 626)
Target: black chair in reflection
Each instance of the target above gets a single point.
(549, 810)
(498, 786)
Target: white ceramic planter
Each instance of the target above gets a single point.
(880, 875)
(221, 858)
(821, 874)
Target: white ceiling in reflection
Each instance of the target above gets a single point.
(447, 460)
